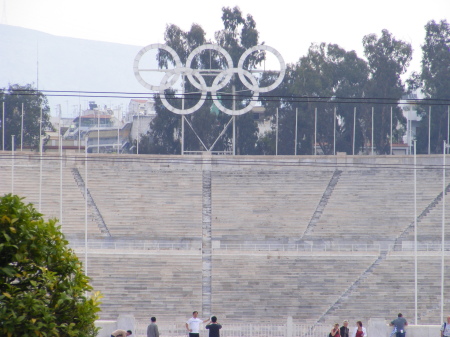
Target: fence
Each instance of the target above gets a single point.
(242, 330)
(301, 247)
(134, 245)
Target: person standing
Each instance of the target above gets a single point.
(344, 330)
(399, 323)
(214, 327)
(193, 325)
(445, 328)
(152, 329)
(335, 331)
(360, 331)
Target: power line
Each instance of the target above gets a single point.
(231, 97)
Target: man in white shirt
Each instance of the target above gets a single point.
(193, 325)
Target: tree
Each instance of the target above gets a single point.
(42, 286)
(434, 80)
(388, 59)
(208, 122)
(164, 133)
(326, 72)
(33, 101)
(238, 35)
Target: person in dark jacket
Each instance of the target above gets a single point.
(344, 331)
(214, 327)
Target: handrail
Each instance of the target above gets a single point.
(301, 247)
(134, 245)
(421, 247)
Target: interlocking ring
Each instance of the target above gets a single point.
(196, 76)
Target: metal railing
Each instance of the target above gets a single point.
(421, 247)
(222, 153)
(133, 245)
(241, 330)
(258, 247)
(301, 247)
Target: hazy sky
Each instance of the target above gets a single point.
(288, 26)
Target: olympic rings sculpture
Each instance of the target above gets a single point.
(195, 76)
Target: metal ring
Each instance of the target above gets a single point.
(138, 57)
(273, 51)
(252, 102)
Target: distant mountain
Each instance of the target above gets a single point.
(63, 63)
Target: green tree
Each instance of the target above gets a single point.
(434, 80)
(208, 122)
(42, 286)
(164, 134)
(33, 100)
(326, 72)
(388, 58)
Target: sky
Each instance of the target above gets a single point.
(288, 26)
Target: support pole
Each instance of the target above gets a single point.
(334, 132)
(183, 117)
(60, 181)
(410, 132)
(85, 206)
(448, 127)
(415, 235)
(296, 130)
(79, 128)
(12, 164)
(137, 137)
(429, 130)
(234, 135)
(371, 142)
(443, 232)
(21, 131)
(391, 132)
(315, 131)
(354, 128)
(182, 135)
(3, 128)
(233, 89)
(40, 162)
(276, 136)
(98, 131)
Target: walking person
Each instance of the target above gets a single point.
(399, 323)
(214, 327)
(152, 329)
(193, 325)
(360, 331)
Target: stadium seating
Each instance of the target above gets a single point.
(277, 201)
(389, 289)
(265, 205)
(162, 284)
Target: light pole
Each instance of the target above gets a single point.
(443, 230)
(21, 132)
(85, 205)
(12, 164)
(415, 234)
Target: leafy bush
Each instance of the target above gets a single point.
(43, 290)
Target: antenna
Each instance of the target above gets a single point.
(37, 65)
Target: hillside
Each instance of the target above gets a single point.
(67, 64)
